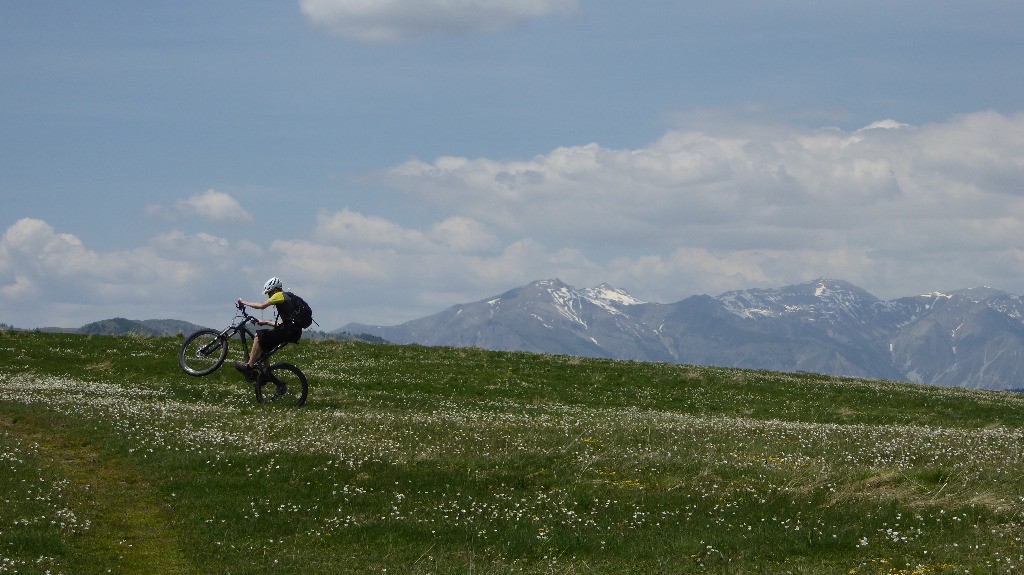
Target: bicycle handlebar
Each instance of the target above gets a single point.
(247, 318)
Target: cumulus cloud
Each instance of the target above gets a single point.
(210, 205)
(389, 21)
(359, 267)
(425, 268)
(61, 281)
(60, 267)
(898, 209)
(392, 283)
(880, 205)
(456, 234)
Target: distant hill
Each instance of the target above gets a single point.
(153, 327)
(173, 327)
(310, 335)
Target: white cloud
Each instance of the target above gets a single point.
(462, 235)
(407, 284)
(897, 209)
(457, 234)
(389, 21)
(373, 264)
(880, 205)
(347, 227)
(215, 206)
(60, 281)
(210, 205)
(373, 261)
(30, 246)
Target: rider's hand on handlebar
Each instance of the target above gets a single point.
(239, 304)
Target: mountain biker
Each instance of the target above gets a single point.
(281, 331)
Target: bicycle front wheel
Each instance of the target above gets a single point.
(282, 385)
(203, 352)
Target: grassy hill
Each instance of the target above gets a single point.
(417, 460)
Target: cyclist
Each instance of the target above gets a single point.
(282, 331)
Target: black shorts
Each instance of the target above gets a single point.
(271, 338)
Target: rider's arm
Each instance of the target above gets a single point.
(255, 305)
(263, 305)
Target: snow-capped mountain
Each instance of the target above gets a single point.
(824, 297)
(969, 338)
(545, 316)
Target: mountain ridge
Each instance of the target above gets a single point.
(972, 337)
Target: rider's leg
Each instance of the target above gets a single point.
(257, 350)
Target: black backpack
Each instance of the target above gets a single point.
(297, 312)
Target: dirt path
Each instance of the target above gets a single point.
(130, 530)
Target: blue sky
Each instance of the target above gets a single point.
(391, 159)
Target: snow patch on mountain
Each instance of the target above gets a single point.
(822, 297)
(744, 305)
(610, 298)
(752, 304)
(570, 302)
(567, 304)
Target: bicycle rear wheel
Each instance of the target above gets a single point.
(282, 385)
(203, 352)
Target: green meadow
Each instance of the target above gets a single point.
(416, 460)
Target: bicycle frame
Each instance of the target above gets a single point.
(247, 335)
(244, 333)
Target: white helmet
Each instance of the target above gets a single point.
(271, 285)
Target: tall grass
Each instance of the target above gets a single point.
(426, 460)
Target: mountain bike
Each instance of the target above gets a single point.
(205, 350)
